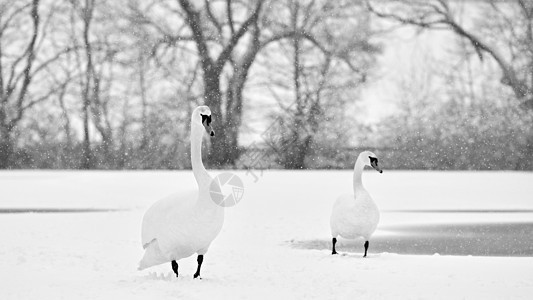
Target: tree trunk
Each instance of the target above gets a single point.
(144, 103)
(294, 150)
(6, 148)
(234, 106)
(86, 160)
(234, 117)
(222, 152)
(527, 164)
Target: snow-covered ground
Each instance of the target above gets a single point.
(274, 243)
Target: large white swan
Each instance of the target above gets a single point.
(179, 226)
(356, 215)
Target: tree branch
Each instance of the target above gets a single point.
(31, 54)
(193, 19)
(11, 17)
(226, 52)
(519, 87)
(229, 12)
(212, 18)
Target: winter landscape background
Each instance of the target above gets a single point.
(95, 105)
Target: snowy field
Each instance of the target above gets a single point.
(443, 235)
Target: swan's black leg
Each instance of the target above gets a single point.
(200, 260)
(366, 248)
(175, 267)
(333, 241)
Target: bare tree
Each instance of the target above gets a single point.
(23, 67)
(439, 14)
(86, 13)
(167, 82)
(226, 46)
(95, 56)
(327, 64)
(223, 148)
(504, 34)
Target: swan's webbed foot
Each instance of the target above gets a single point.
(366, 248)
(200, 260)
(333, 251)
(175, 267)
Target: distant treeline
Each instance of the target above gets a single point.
(466, 157)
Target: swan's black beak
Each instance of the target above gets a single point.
(209, 130)
(206, 121)
(374, 164)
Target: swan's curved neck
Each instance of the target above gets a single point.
(200, 174)
(357, 174)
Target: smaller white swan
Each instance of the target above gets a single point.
(179, 226)
(356, 215)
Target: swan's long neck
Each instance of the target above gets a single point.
(200, 174)
(357, 174)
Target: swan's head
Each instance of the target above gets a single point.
(203, 115)
(371, 160)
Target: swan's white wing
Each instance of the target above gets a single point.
(160, 217)
(341, 214)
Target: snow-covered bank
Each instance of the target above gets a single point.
(94, 255)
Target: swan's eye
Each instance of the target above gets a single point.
(373, 160)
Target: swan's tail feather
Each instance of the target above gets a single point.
(152, 256)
